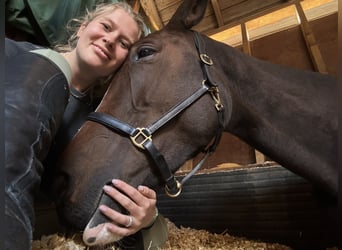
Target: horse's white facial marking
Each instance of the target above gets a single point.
(99, 235)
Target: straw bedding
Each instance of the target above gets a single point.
(179, 238)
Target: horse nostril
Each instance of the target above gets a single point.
(91, 240)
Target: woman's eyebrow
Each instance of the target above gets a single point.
(115, 25)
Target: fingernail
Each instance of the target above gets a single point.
(115, 181)
(141, 188)
(106, 188)
(102, 208)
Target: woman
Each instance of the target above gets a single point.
(95, 51)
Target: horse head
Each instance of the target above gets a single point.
(171, 99)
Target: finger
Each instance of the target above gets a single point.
(141, 207)
(130, 191)
(143, 215)
(121, 198)
(122, 231)
(147, 192)
(117, 218)
(122, 225)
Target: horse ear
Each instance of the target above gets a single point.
(188, 14)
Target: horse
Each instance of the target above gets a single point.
(172, 98)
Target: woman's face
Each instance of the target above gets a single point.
(104, 42)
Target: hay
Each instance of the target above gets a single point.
(188, 238)
(179, 238)
(58, 242)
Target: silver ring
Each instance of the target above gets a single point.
(130, 221)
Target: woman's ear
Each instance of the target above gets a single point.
(81, 28)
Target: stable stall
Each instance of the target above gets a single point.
(241, 193)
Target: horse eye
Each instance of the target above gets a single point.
(144, 52)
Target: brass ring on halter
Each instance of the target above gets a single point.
(173, 195)
(206, 59)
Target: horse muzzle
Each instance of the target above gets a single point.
(96, 232)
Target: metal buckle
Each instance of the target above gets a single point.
(168, 191)
(214, 91)
(206, 59)
(145, 137)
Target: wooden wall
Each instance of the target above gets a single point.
(288, 48)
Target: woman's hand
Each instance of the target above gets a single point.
(140, 203)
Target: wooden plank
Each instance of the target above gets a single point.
(168, 4)
(259, 157)
(217, 11)
(323, 10)
(136, 6)
(248, 8)
(186, 167)
(167, 9)
(239, 20)
(221, 12)
(246, 48)
(151, 11)
(310, 41)
(208, 22)
(326, 32)
(280, 20)
(285, 48)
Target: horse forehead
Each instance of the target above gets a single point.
(169, 39)
(179, 50)
(179, 40)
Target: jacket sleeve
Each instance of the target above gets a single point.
(36, 94)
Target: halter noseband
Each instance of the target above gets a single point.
(142, 137)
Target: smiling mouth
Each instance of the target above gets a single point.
(104, 54)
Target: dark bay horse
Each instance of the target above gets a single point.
(176, 92)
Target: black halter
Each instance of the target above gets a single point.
(142, 137)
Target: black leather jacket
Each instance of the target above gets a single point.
(36, 94)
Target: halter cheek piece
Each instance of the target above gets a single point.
(142, 137)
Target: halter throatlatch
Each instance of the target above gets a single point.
(142, 137)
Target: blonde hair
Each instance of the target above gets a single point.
(74, 24)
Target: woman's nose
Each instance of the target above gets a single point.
(110, 39)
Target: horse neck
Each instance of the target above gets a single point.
(287, 114)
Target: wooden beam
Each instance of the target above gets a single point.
(151, 11)
(217, 11)
(186, 167)
(249, 17)
(136, 6)
(310, 41)
(245, 40)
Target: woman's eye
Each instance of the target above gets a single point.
(105, 26)
(124, 45)
(144, 52)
